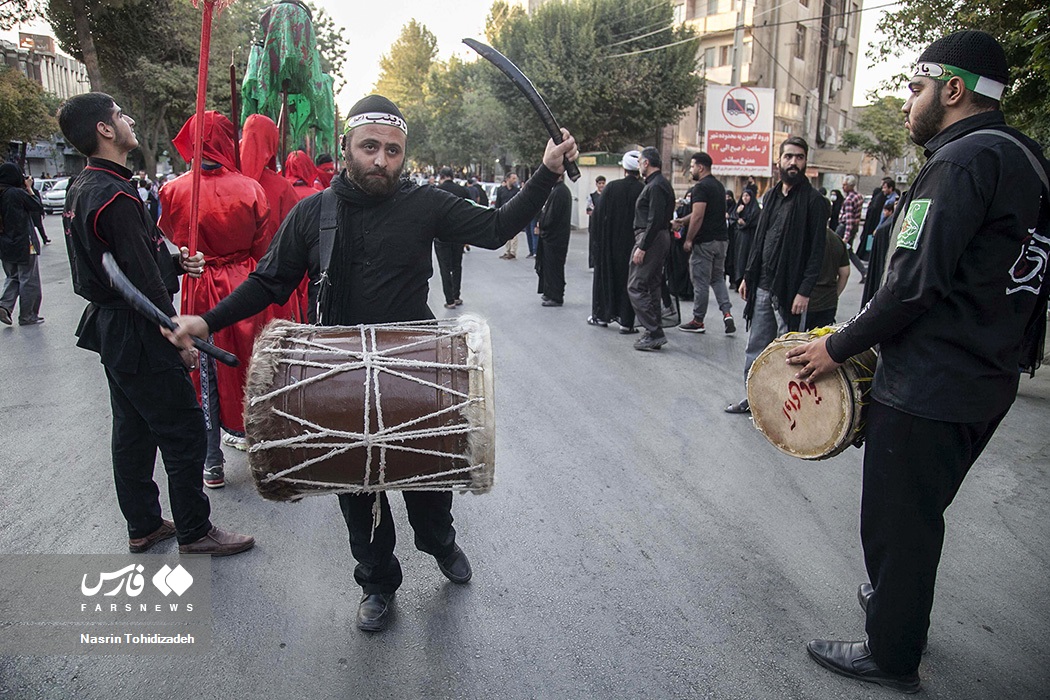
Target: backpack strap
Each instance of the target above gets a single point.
(325, 245)
(1036, 165)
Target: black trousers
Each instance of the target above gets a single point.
(159, 410)
(450, 264)
(550, 268)
(913, 467)
(378, 570)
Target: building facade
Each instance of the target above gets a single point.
(36, 58)
(806, 50)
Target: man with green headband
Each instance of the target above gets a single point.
(379, 272)
(962, 308)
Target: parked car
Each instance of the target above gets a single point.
(42, 186)
(54, 198)
(490, 191)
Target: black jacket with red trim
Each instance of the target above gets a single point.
(103, 213)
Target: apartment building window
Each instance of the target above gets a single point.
(725, 54)
(712, 7)
(795, 99)
(856, 21)
(710, 57)
(800, 42)
(849, 65)
(804, 3)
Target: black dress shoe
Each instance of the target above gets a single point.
(550, 302)
(853, 660)
(455, 566)
(742, 407)
(864, 592)
(374, 611)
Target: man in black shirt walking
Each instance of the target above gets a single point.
(966, 283)
(450, 255)
(706, 243)
(652, 239)
(378, 273)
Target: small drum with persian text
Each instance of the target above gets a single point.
(809, 420)
(358, 409)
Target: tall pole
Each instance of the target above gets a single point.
(738, 45)
(198, 140)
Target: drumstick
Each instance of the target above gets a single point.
(141, 303)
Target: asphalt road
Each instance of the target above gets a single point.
(639, 543)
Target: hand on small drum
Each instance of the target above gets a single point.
(814, 358)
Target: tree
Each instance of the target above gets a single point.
(604, 77)
(147, 53)
(25, 110)
(1023, 32)
(403, 73)
(880, 134)
(14, 12)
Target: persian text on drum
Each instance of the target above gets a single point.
(809, 420)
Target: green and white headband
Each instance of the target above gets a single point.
(376, 118)
(973, 82)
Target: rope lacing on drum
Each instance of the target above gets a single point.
(375, 363)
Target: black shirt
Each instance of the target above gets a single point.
(713, 228)
(771, 244)
(103, 213)
(654, 209)
(383, 275)
(962, 279)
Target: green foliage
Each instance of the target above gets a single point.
(26, 112)
(1023, 32)
(403, 74)
(14, 12)
(148, 52)
(880, 133)
(605, 86)
(465, 113)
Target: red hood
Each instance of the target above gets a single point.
(259, 141)
(218, 139)
(325, 173)
(299, 166)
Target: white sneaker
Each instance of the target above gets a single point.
(237, 443)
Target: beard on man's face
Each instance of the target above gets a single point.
(792, 175)
(926, 123)
(374, 181)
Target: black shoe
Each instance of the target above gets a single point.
(374, 611)
(650, 342)
(730, 325)
(853, 660)
(455, 566)
(550, 302)
(5, 316)
(864, 592)
(628, 330)
(742, 407)
(593, 321)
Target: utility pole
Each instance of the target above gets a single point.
(738, 44)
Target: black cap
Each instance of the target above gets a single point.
(974, 51)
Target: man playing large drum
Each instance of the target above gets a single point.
(379, 271)
(962, 308)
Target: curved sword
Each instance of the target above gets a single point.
(531, 94)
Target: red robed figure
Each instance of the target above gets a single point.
(300, 170)
(259, 141)
(234, 231)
